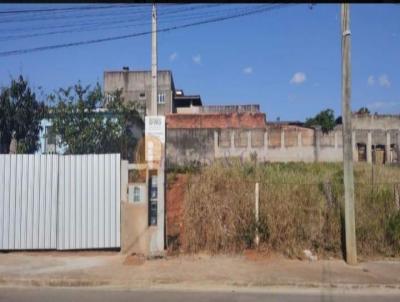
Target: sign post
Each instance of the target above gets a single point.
(155, 158)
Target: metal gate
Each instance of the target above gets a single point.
(59, 202)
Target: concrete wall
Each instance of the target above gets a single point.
(136, 83)
(274, 144)
(189, 145)
(188, 110)
(378, 122)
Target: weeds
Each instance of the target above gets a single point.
(300, 208)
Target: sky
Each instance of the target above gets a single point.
(288, 60)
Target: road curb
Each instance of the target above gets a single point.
(89, 283)
(51, 282)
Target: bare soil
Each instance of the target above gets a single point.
(174, 205)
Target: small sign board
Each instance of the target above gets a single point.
(155, 126)
(154, 139)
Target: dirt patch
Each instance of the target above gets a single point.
(261, 255)
(174, 204)
(134, 259)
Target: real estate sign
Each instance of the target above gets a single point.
(154, 140)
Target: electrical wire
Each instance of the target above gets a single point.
(59, 9)
(143, 11)
(166, 29)
(129, 23)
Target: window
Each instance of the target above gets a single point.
(161, 98)
(50, 135)
(136, 194)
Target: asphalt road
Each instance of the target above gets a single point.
(90, 295)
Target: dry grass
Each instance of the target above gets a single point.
(300, 208)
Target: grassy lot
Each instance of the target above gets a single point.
(300, 208)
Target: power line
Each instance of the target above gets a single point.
(59, 9)
(65, 15)
(138, 10)
(167, 29)
(96, 26)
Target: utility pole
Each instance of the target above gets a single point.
(351, 249)
(153, 105)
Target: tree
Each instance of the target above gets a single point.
(338, 120)
(85, 126)
(325, 119)
(20, 116)
(363, 110)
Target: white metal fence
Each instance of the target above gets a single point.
(59, 202)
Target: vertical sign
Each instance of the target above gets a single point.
(154, 140)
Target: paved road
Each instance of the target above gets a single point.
(89, 295)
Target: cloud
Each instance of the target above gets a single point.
(248, 70)
(298, 78)
(173, 56)
(384, 81)
(196, 59)
(371, 80)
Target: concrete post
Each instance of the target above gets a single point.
(216, 147)
(387, 149)
(353, 146)
(161, 214)
(266, 140)
(257, 199)
(249, 140)
(398, 146)
(299, 144)
(335, 140)
(317, 134)
(282, 138)
(369, 147)
(348, 140)
(154, 82)
(232, 140)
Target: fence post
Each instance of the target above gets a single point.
(257, 199)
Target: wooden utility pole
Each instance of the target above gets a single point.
(351, 249)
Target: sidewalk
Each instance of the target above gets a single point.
(107, 269)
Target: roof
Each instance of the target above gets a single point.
(184, 97)
(189, 98)
(245, 120)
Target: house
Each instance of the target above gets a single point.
(136, 87)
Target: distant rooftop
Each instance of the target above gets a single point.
(135, 71)
(188, 100)
(254, 108)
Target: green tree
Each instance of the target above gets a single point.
(363, 110)
(325, 119)
(20, 115)
(85, 126)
